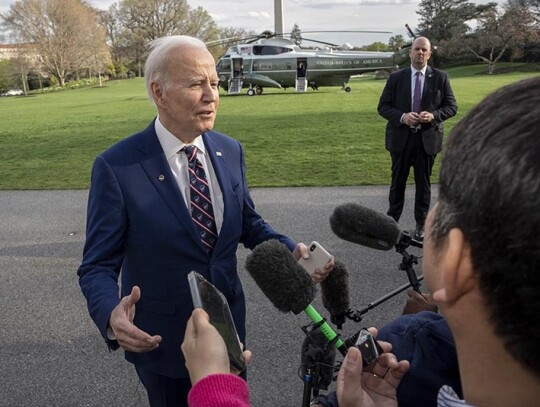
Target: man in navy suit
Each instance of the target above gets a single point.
(139, 221)
(414, 134)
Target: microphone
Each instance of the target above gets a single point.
(335, 294)
(318, 355)
(358, 224)
(286, 284)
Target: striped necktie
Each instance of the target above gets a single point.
(202, 212)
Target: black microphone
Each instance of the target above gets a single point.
(335, 294)
(320, 356)
(286, 284)
(367, 227)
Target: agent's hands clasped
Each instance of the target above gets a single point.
(373, 386)
(130, 337)
(204, 349)
(413, 119)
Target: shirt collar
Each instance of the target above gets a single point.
(170, 144)
(414, 70)
(447, 397)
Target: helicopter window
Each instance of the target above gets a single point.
(224, 65)
(269, 50)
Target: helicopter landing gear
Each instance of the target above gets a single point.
(346, 88)
(251, 91)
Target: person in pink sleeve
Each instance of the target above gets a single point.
(215, 386)
(208, 365)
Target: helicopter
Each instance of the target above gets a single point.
(277, 62)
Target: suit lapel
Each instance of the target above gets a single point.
(408, 92)
(428, 83)
(157, 169)
(219, 162)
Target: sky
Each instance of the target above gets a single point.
(310, 15)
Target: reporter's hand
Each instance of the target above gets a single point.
(418, 303)
(130, 337)
(319, 275)
(376, 385)
(204, 349)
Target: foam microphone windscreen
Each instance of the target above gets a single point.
(335, 293)
(286, 284)
(358, 224)
(318, 354)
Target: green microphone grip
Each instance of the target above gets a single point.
(326, 329)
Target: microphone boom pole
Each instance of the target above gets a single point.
(356, 315)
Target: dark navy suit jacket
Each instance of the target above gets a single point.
(437, 98)
(138, 224)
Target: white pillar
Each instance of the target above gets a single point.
(278, 17)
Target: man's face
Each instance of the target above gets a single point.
(420, 53)
(188, 104)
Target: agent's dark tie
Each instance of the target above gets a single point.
(417, 97)
(202, 211)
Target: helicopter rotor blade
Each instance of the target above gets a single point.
(346, 31)
(320, 42)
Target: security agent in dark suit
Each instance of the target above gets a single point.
(140, 225)
(414, 134)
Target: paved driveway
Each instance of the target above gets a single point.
(51, 354)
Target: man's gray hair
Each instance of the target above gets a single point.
(157, 64)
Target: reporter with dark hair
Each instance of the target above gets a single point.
(481, 260)
(482, 248)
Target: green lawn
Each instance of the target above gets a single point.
(322, 138)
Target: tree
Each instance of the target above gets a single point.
(229, 36)
(296, 35)
(396, 42)
(376, 46)
(116, 38)
(533, 6)
(499, 31)
(57, 30)
(7, 75)
(143, 21)
(443, 20)
(202, 25)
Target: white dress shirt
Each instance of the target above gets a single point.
(447, 397)
(177, 159)
(413, 81)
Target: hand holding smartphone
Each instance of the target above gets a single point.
(368, 346)
(318, 257)
(210, 299)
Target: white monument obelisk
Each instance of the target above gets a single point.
(278, 18)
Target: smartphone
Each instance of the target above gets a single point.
(368, 346)
(210, 299)
(318, 257)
